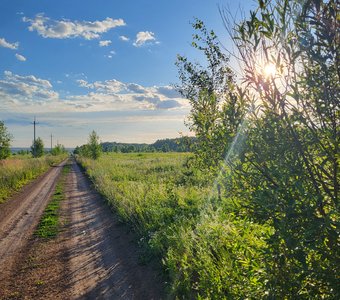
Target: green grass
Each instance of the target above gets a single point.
(49, 224)
(15, 172)
(206, 250)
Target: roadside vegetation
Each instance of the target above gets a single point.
(254, 213)
(19, 170)
(166, 204)
(49, 224)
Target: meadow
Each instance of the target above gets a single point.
(206, 251)
(19, 170)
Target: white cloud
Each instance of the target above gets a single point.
(143, 37)
(26, 89)
(124, 38)
(167, 91)
(37, 94)
(156, 97)
(20, 57)
(5, 44)
(62, 29)
(104, 43)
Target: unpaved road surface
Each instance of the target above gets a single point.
(20, 215)
(93, 257)
(103, 256)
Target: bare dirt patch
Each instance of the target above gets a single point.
(20, 215)
(103, 255)
(94, 256)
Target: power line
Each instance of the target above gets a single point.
(34, 146)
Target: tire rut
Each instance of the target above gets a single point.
(103, 255)
(20, 215)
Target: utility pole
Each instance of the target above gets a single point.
(51, 141)
(34, 123)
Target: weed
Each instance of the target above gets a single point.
(49, 224)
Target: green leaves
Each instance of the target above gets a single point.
(5, 140)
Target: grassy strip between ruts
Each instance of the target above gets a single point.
(48, 226)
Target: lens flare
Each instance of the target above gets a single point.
(269, 70)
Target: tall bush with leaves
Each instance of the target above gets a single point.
(290, 170)
(5, 140)
(93, 148)
(37, 147)
(216, 105)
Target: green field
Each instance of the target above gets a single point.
(206, 251)
(17, 171)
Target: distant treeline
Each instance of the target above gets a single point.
(183, 144)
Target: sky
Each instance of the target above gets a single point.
(103, 65)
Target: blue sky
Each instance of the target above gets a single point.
(104, 65)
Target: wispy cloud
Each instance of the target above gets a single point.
(124, 38)
(104, 43)
(20, 57)
(63, 29)
(144, 37)
(5, 44)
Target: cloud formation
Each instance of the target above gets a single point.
(124, 38)
(20, 57)
(36, 94)
(144, 37)
(26, 89)
(156, 97)
(104, 43)
(5, 44)
(63, 29)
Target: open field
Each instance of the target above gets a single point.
(205, 250)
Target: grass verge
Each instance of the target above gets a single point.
(15, 172)
(49, 224)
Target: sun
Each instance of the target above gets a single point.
(269, 70)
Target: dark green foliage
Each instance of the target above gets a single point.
(5, 140)
(217, 106)
(287, 174)
(58, 150)
(37, 148)
(92, 149)
(183, 144)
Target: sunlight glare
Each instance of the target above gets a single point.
(269, 70)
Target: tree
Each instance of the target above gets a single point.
(5, 141)
(37, 147)
(217, 108)
(289, 176)
(58, 149)
(94, 147)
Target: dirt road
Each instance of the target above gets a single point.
(19, 217)
(94, 257)
(103, 256)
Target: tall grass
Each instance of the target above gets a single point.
(207, 251)
(17, 171)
